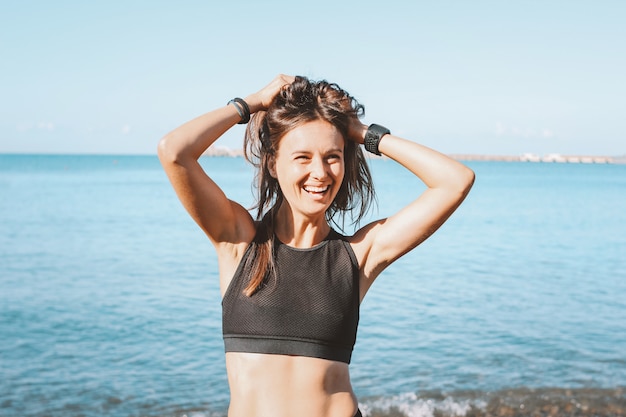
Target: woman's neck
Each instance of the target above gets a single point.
(299, 231)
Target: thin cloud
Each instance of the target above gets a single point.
(25, 127)
(49, 126)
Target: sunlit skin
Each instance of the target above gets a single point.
(309, 166)
(287, 386)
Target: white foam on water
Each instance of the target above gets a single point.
(410, 405)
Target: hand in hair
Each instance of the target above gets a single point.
(356, 130)
(263, 98)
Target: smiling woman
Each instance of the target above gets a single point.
(291, 284)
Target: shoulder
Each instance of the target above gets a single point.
(231, 255)
(245, 231)
(363, 243)
(363, 239)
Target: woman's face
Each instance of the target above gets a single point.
(309, 166)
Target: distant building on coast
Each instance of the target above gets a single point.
(571, 159)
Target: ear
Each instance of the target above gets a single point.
(271, 166)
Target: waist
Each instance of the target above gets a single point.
(281, 385)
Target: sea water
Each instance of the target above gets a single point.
(109, 298)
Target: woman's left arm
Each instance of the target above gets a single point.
(448, 182)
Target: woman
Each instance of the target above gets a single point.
(291, 285)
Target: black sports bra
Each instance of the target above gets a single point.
(310, 309)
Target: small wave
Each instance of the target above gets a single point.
(519, 402)
(414, 405)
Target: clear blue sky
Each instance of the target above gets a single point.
(490, 77)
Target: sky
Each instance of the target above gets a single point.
(473, 77)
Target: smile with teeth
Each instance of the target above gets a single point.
(316, 190)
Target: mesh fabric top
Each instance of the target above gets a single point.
(311, 307)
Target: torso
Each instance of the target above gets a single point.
(283, 385)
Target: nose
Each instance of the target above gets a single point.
(318, 168)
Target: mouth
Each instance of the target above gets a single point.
(316, 190)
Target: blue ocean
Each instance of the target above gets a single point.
(109, 299)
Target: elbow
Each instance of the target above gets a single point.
(161, 149)
(465, 180)
(470, 177)
(167, 152)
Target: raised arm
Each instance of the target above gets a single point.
(223, 220)
(447, 181)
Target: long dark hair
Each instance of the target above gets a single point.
(298, 103)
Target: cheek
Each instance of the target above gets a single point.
(338, 171)
(288, 173)
(294, 171)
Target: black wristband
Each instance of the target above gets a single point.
(372, 137)
(242, 108)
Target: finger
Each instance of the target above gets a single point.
(285, 79)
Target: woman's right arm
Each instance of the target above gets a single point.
(207, 204)
(223, 220)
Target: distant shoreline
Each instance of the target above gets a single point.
(230, 153)
(549, 158)
(526, 157)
